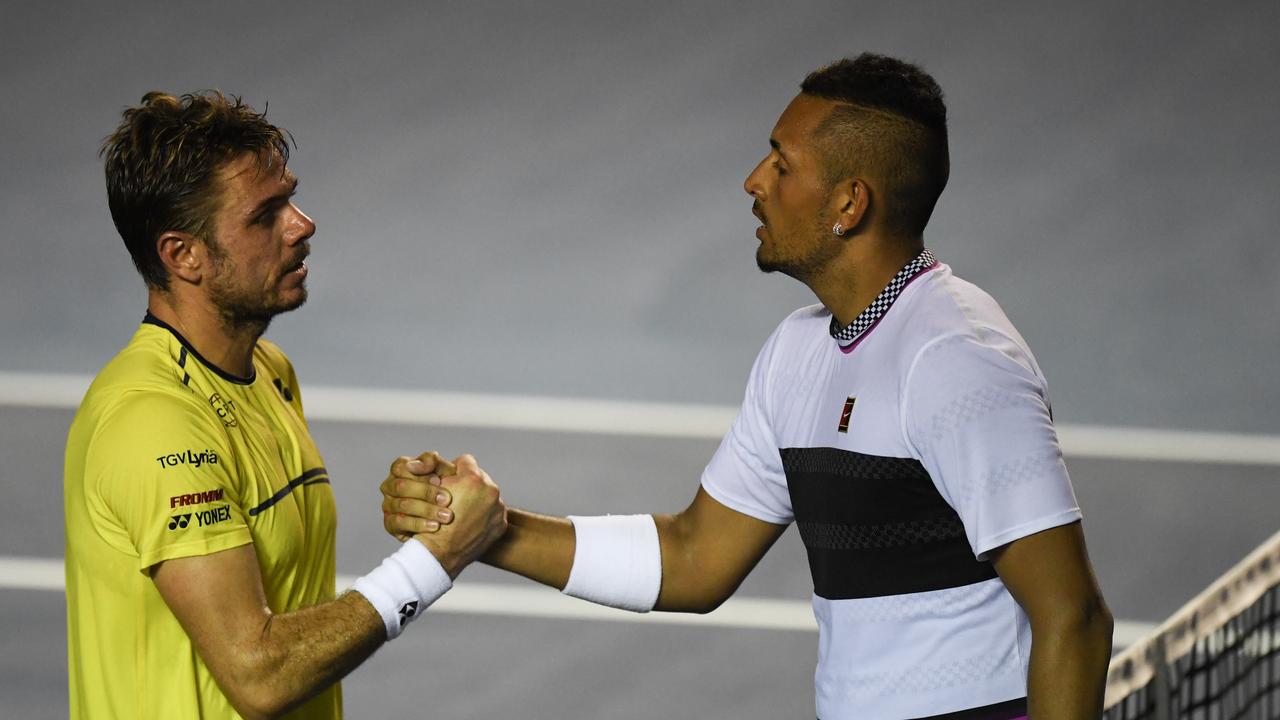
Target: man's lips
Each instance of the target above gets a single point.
(299, 268)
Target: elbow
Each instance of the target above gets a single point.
(1094, 620)
(707, 605)
(696, 600)
(715, 598)
(695, 607)
(1104, 625)
(1096, 627)
(1086, 624)
(254, 701)
(255, 712)
(255, 688)
(257, 700)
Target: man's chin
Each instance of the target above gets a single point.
(296, 302)
(773, 265)
(768, 264)
(765, 264)
(287, 301)
(262, 315)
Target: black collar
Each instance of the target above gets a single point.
(150, 319)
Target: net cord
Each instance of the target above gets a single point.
(1225, 598)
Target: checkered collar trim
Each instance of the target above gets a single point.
(868, 318)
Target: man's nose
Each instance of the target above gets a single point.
(753, 184)
(303, 227)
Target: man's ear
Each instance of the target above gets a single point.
(851, 200)
(183, 255)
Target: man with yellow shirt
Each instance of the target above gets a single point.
(199, 516)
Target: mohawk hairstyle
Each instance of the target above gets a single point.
(891, 123)
(161, 167)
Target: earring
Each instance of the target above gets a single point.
(838, 230)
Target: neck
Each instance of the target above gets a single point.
(221, 340)
(852, 280)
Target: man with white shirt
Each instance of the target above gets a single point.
(902, 423)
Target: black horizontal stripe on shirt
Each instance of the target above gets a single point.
(876, 526)
(1008, 710)
(310, 477)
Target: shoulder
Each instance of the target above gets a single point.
(942, 304)
(143, 416)
(125, 440)
(144, 391)
(802, 327)
(273, 358)
(142, 378)
(147, 360)
(798, 335)
(808, 317)
(954, 322)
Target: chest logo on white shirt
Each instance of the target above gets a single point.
(845, 414)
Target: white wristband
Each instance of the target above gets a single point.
(404, 585)
(617, 561)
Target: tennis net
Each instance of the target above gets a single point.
(1218, 658)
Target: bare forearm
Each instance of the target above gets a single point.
(538, 547)
(1069, 667)
(300, 653)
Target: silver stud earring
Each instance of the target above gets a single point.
(838, 230)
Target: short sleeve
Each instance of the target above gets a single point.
(159, 464)
(746, 473)
(976, 412)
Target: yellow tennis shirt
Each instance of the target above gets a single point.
(170, 457)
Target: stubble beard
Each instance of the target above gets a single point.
(818, 253)
(244, 311)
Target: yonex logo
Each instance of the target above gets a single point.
(408, 611)
(846, 414)
(284, 390)
(204, 518)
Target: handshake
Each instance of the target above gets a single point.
(453, 508)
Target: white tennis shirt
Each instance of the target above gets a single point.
(904, 457)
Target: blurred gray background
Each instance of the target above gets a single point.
(556, 187)
(545, 199)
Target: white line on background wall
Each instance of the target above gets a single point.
(46, 574)
(648, 419)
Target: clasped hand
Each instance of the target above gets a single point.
(453, 508)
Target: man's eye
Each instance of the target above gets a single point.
(781, 170)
